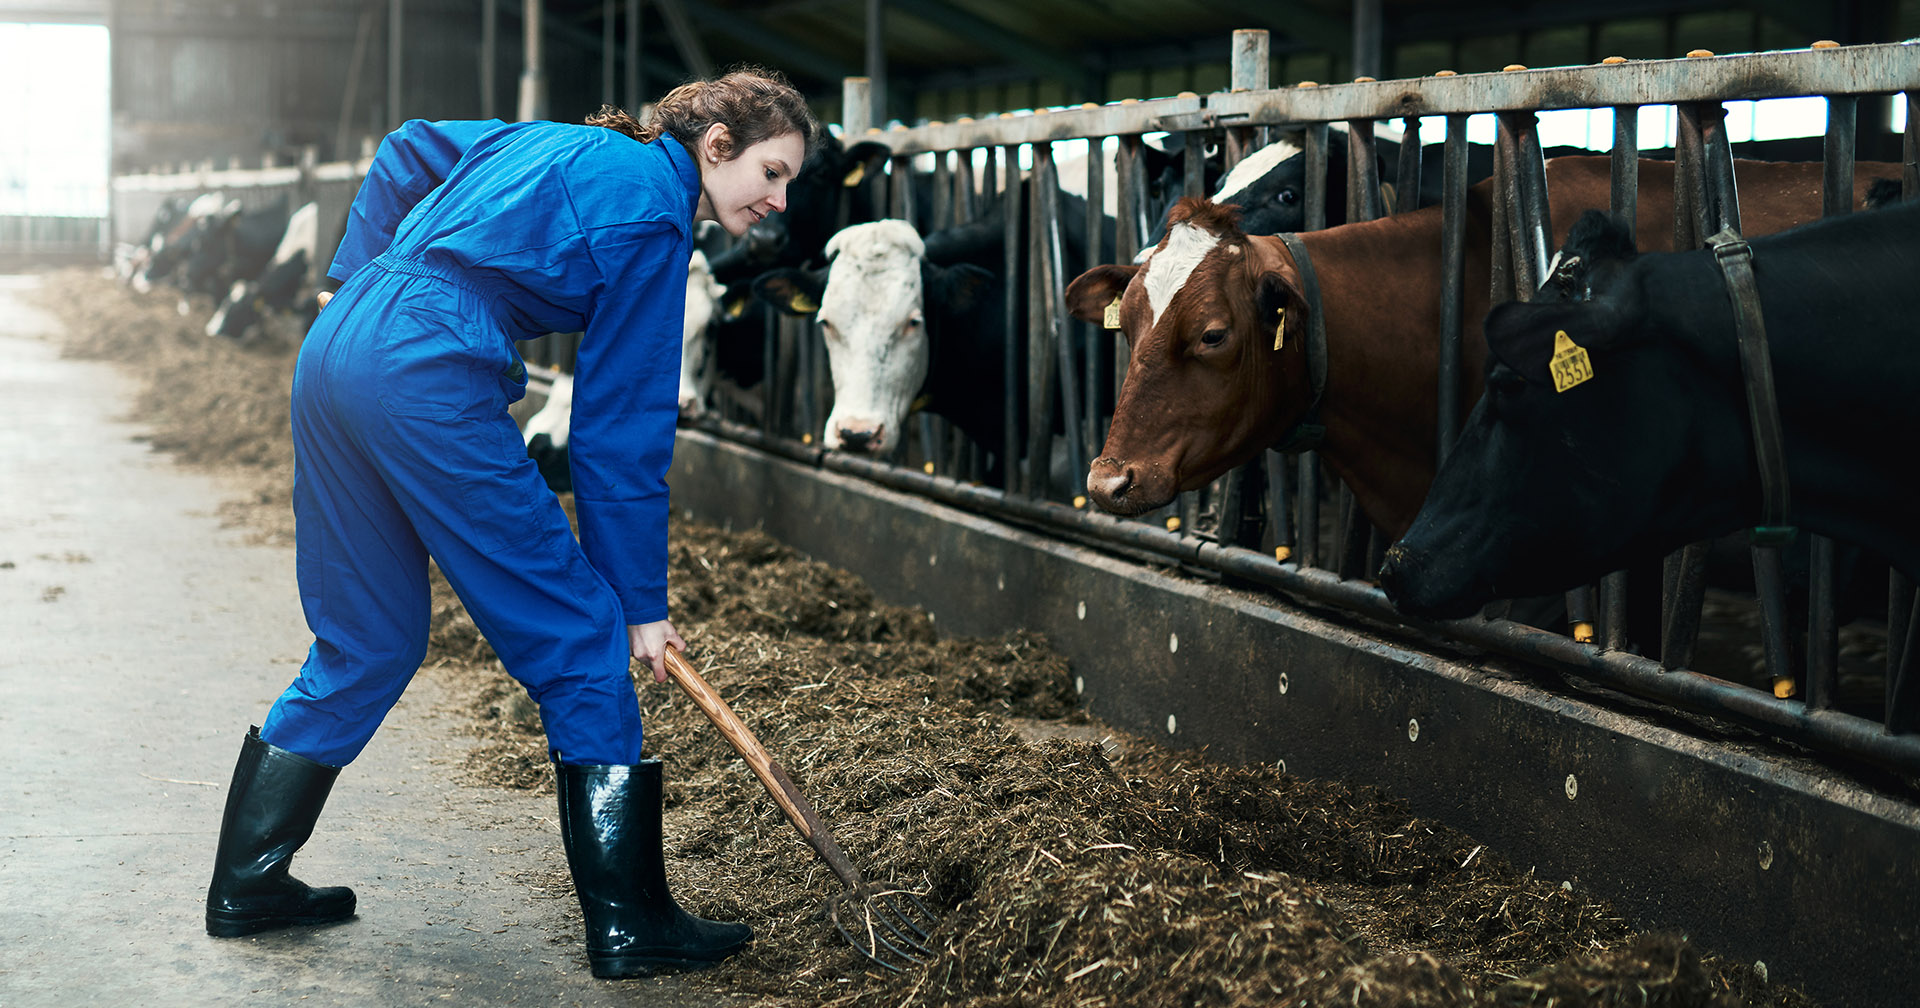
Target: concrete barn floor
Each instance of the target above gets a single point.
(138, 640)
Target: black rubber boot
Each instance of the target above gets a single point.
(610, 823)
(271, 808)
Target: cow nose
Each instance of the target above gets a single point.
(765, 242)
(1108, 480)
(859, 439)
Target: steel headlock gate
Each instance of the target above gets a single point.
(1279, 535)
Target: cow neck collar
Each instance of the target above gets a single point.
(1735, 259)
(1308, 432)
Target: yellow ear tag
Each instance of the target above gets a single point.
(1280, 331)
(736, 308)
(920, 403)
(1111, 319)
(853, 177)
(1570, 364)
(803, 304)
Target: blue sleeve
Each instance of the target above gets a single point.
(625, 404)
(411, 162)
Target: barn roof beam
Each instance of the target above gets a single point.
(779, 48)
(976, 30)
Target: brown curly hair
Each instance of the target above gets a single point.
(753, 103)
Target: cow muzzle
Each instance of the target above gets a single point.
(857, 436)
(1126, 488)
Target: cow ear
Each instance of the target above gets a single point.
(1277, 292)
(792, 291)
(1091, 292)
(960, 289)
(863, 160)
(1527, 337)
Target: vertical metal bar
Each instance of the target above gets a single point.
(1500, 266)
(396, 47)
(1716, 166)
(1279, 515)
(856, 113)
(1624, 203)
(1128, 232)
(1823, 632)
(1194, 164)
(1010, 358)
(1059, 325)
(1040, 376)
(489, 53)
(1910, 146)
(900, 190)
(1363, 172)
(877, 62)
(1307, 491)
(608, 63)
(636, 76)
(1625, 198)
(1685, 587)
(772, 382)
(940, 200)
(1098, 404)
(1823, 641)
(1453, 281)
(1903, 664)
(1690, 228)
(963, 187)
(1770, 586)
(1406, 176)
(533, 72)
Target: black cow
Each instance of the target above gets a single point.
(1550, 489)
(282, 287)
(236, 245)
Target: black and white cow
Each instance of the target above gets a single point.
(1550, 489)
(169, 247)
(236, 244)
(697, 351)
(282, 287)
(899, 330)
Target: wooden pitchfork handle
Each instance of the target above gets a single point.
(799, 811)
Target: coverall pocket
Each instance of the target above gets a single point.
(426, 368)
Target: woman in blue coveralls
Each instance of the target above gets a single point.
(465, 237)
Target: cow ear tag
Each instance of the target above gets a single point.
(1111, 319)
(806, 305)
(1570, 364)
(1280, 330)
(854, 175)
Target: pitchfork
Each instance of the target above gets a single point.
(889, 926)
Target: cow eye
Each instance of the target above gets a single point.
(1213, 337)
(1287, 197)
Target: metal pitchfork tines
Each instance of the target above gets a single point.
(887, 925)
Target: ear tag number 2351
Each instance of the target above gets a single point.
(1570, 364)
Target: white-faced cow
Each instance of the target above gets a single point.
(697, 352)
(281, 288)
(545, 434)
(1218, 373)
(1554, 482)
(899, 328)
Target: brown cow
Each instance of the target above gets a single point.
(1210, 382)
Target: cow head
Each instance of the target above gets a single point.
(1577, 459)
(877, 301)
(696, 343)
(826, 194)
(1211, 352)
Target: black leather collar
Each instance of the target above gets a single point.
(1308, 432)
(1735, 258)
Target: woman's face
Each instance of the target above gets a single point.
(739, 191)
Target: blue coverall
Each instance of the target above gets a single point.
(465, 237)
